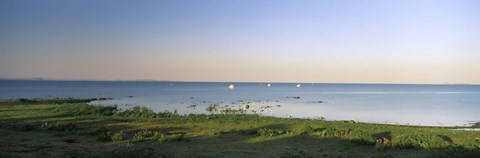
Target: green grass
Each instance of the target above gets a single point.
(71, 128)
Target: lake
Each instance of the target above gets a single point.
(428, 105)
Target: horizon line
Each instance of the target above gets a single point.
(154, 80)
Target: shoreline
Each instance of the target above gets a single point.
(73, 128)
(474, 126)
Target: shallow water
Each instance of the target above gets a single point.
(433, 105)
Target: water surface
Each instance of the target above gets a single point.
(434, 105)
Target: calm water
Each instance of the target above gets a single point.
(380, 103)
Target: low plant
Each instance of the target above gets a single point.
(265, 132)
(212, 108)
(157, 136)
(119, 136)
(332, 132)
(306, 129)
(382, 144)
(168, 114)
(106, 136)
(419, 141)
(59, 126)
(361, 137)
(138, 112)
(144, 135)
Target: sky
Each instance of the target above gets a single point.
(333, 41)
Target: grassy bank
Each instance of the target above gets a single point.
(71, 128)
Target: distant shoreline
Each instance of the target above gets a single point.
(168, 81)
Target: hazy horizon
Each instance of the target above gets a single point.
(367, 41)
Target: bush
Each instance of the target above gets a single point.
(361, 137)
(106, 136)
(382, 144)
(145, 135)
(419, 141)
(157, 136)
(332, 132)
(119, 136)
(265, 132)
(84, 109)
(167, 114)
(212, 108)
(175, 138)
(306, 129)
(59, 126)
(99, 130)
(137, 112)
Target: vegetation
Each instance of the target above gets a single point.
(72, 128)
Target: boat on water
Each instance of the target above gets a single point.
(231, 86)
(298, 85)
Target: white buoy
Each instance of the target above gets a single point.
(268, 85)
(231, 87)
(298, 85)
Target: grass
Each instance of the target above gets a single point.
(71, 128)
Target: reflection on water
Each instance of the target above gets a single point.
(436, 105)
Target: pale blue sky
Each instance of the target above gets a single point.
(369, 41)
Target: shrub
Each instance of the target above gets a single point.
(174, 138)
(138, 111)
(99, 130)
(119, 136)
(306, 129)
(265, 132)
(167, 114)
(106, 136)
(418, 141)
(105, 110)
(144, 135)
(212, 108)
(232, 111)
(332, 132)
(59, 126)
(361, 137)
(157, 136)
(382, 144)
(84, 109)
